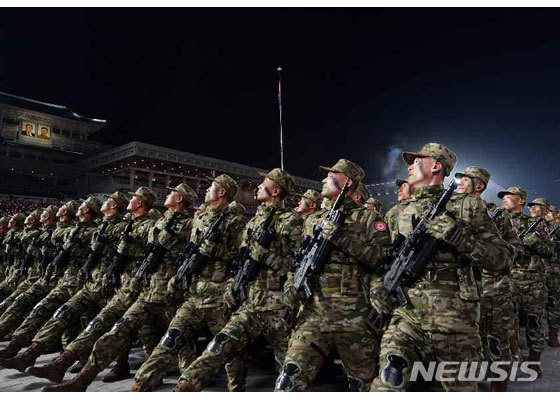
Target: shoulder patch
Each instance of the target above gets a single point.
(380, 226)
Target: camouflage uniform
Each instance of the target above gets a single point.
(3, 231)
(553, 283)
(335, 316)
(39, 239)
(13, 253)
(376, 203)
(313, 196)
(204, 306)
(528, 277)
(77, 241)
(151, 313)
(20, 307)
(440, 323)
(264, 308)
(88, 300)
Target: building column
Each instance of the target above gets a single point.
(150, 180)
(131, 179)
(167, 180)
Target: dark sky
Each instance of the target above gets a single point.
(486, 82)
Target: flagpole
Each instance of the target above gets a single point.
(280, 112)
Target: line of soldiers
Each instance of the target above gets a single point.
(95, 277)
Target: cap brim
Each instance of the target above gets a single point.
(502, 194)
(209, 178)
(262, 174)
(326, 169)
(399, 182)
(409, 157)
(537, 204)
(170, 188)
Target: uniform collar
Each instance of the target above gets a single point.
(427, 191)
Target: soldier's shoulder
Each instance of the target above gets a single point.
(287, 215)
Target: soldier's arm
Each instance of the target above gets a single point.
(290, 238)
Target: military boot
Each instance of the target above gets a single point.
(25, 359)
(185, 385)
(79, 383)
(10, 350)
(553, 337)
(535, 356)
(120, 371)
(77, 368)
(55, 370)
(140, 386)
(498, 386)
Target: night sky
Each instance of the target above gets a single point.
(356, 83)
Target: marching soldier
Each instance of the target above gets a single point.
(360, 195)
(3, 230)
(263, 310)
(33, 255)
(374, 205)
(91, 297)
(20, 307)
(405, 190)
(497, 316)
(553, 280)
(203, 306)
(440, 320)
(309, 203)
(528, 271)
(12, 252)
(120, 278)
(334, 317)
(76, 246)
(151, 313)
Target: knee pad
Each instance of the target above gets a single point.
(393, 373)
(551, 302)
(117, 324)
(354, 384)
(171, 338)
(62, 313)
(93, 325)
(285, 381)
(36, 309)
(18, 298)
(532, 321)
(217, 344)
(494, 346)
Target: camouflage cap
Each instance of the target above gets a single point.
(4, 221)
(145, 194)
(553, 209)
(540, 201)
(281, 178)
(51, 210)
(515, 190)
(120, 198)
(399, 182)
(376, 202)
(362, 191)
(227, 182)
(436, 151)
(475, 172)
(186, 191)
(72, 207)
(237, 208)
(312, 195)
(18, 218)
(348, 168)
(94, 204)
(36, 214)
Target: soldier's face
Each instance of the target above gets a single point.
(538, 211)
(466, 185)
(420, 170)
(173, 199)
(404, 192)
(61, 211)
(332, 184)
(109, 207)
(83, 212)
(12, 223)
(357, 197)
(134, 204)
(213, 193)
(370, 206)
(30, 221)
(511, 201)
(266, 190)
(549, 216)
(45, 218)
(303, 205)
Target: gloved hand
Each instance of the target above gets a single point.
(229, 298)
(292, 297)
(208, 249)
(445, 228)
(258, 252)
(381, 301)
(331, 230)
(173, 290)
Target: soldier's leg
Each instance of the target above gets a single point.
(40, 314)
(176, 340)
(24, 286)
(402, 345)
(359, 352)
(553, 308)
(227, 344)
(308, 348)
(534, 301)
(107, 317)
(6, 288)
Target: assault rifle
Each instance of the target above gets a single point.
(496, 214)
(191, 261)
(94, 256)
(248, 268)
(553, 232)
(319, 248)
(416, 252)
(531, 228)
(155, 252)
(62, 258)
(27, 261)
(118, 261)
(45, 259)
